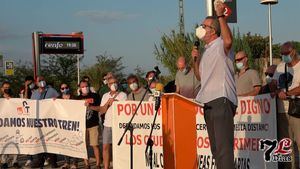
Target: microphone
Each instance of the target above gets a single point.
(157, 95)
(157, 71)
(196, 46)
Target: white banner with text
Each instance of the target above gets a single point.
(32, 127)
(255, 119)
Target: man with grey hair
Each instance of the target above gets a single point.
(186, 83)
(247, 80)
(287, 78)
(44, 91)
(218, 92)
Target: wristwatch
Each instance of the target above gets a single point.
(221, 16)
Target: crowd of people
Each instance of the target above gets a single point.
(215, 78)
(98, 112)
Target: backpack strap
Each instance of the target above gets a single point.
(286, 78)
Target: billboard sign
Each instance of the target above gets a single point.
(9, 68)
(230, 10)
(61, 44)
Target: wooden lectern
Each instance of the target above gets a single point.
(179, 132)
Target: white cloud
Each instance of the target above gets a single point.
(105, 17)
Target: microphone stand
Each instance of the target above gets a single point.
(129, 126)
(150, 142)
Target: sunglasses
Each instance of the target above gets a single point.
(204, 26)
(240, 59)
(63, 88)
(269, 74)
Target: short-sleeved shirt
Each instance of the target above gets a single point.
(104, 89)
(120, 96)
(217, 74)
(92, 118)
(246, 82)
(282, 105)
(48, 93)
(138, 95)
(187, 83)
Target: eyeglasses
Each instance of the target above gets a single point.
(240, 59)
(269, 74)
(204, 26)
(63, 88)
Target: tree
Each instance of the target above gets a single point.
(21, 70)
(171, 47)
(140, 73)
(297, 45)
(240, 43)
(59, 69)
(105, 63)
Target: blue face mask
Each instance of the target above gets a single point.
(65, 91)
(124, 85)
(286, 58)
(239, 66)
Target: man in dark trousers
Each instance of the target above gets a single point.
(92, 120)
(218, 91)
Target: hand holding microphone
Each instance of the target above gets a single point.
(195, 51)
(157, 95)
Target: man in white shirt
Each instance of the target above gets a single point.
(291, 60)
(105, 107)
(218, 92)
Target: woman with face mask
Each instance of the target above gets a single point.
(6, 91)
(27, 89)
(69, 162)
(64, 89)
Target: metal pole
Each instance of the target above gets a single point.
(36, 54)
(78, 69)
(270, 35)
(209, 7)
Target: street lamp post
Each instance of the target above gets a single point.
(269, 3)
(209, 7)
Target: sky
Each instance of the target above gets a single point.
(128, 28)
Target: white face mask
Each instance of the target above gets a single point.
(200, 32)
(114, 87)
(152, 90)
(85, 90)
(150, 78)
(105, 82)
(31, 86)
(134, 86)
(42, 84)
(269, 79)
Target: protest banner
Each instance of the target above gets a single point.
(32, 127)
(255, 119)
(142, 126)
